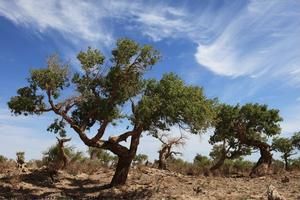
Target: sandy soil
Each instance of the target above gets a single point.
(143, 183)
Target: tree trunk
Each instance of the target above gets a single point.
(162, 164)
(121, 172)
(125, 161)
(218, 164)
(286, 163)
(262, 167)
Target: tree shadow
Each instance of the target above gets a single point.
(75, 188)
(39, 178)
(102, 192)
(141, 193)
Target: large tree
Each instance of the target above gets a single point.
(99, 95)
(248, 126)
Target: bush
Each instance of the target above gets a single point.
(2, 159)
(236, 166)
(6, 164)
(103, 156)
(277, 166)
(20, 157)
(295, 164)
(140, 159)
(52, 154)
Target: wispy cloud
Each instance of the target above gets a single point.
(80, 20)
(236, 39)
(261, 39)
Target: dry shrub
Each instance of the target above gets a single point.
(85, 166)
(201, 166)
(35, 164)
(277, 167)
(183, 167)
(237, 166)
(7, 165)
(295, 164)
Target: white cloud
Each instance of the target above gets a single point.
(75, 20)
(252, 39)
(262, 39)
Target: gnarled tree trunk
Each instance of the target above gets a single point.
(124, 162)
(122, 171)
(219, 163)
(262, 167)
(162, 162)
(286, 162)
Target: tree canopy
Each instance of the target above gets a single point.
(247, 126)
(286, 146)
(99, 94)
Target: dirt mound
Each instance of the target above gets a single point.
(143, 183)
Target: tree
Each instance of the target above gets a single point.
(202, 161)
(60, 155)
(230, 148)
(168, 144)
(20, 158)
(296, 140)
(2, 159)
(101, 94)
(283, 145)
(249, 126)
(286, 146)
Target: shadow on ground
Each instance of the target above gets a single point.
(38, 185)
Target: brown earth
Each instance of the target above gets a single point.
(143, 183)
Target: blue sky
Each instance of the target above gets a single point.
(239, 51)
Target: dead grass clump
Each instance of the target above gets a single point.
(7, 165)
(84, 166)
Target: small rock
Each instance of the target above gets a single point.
(273, 194)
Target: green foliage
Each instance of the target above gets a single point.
(20, 157)
(169, 101)
(103, 156)
(27, 101)
(283, 145)
(91, 59)
(236, 166)
(296, 140)
(2, 159)
(58, 126)
(202, 161)
(140, 158)
(216, 151)
(103, 91)
(52, 154)
(286, 146)
(295, 163)
(242, 125)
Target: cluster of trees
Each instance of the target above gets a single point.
(102, 92)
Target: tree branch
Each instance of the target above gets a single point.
(120, 138)
(100, 132)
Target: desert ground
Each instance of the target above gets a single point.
(143, 183)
